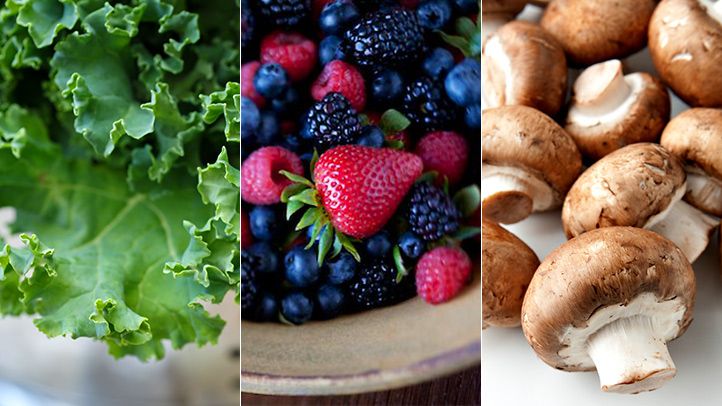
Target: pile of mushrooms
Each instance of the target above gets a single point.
(565, 127)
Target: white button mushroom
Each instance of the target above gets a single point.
(528, 163)
(610, 110)
(640, 185)
(695, 136)
(507, 266)
(685, 42)
(611, 299)
(522, 64)
(496, 13)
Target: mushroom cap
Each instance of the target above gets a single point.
(605, 267)
(625, 188)
(523, 64)
(592, 31)
(503, 6)
(525, 138)
(685, 44)
(507, 266)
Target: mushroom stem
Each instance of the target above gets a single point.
(630, 356)
(703, 190)
(511, 194)
(601, 88)
(497, 74)
(685, 226)
(714, 9)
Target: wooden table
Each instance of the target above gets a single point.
(460, 389)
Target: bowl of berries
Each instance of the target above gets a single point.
(360, 201)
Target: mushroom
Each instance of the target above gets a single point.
(685, 42)
(610, 110)
(522, 64)
(610, 300)
(592, 31)
(640, 185)
(507, 267)
(695, 136)
(495, 13)
(528, 163)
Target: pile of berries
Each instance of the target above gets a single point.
(358, 119)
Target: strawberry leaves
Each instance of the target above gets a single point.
(467, 38)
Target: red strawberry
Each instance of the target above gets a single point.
(261, 182)
(361, 187)
(294, 52)
(248, 71)
(445, 152)
(246, 238)
(340, 77)
(441, 273)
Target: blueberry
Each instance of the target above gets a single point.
(266, 257)
(270, 80)
(337, 15)
(371, 136)
(265, 223)
(293, 142)
(341, 269)
(267, 308)
(286, 103)
(330, 300)
(386, 86)
(267, 133)
(438, 63)
(378, 245)
(467, 6)
(330, 49)
(411, 245)
(434, 14)
(301, 267)
(297, 308)
(472, 116)
(463, 83)
(250, 119)
(306, 159)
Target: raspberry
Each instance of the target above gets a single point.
(294, 52)
(441, 273)
(340, 77)
(248, 71)
(445, 152)
(261, 181)
(246, 237)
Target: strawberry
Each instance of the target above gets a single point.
(246, 238)
(441, 273)
(261, 180)
(294, 52)
(341, 77)
(445, 152)
(248, 89)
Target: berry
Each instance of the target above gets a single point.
(467, 6)
(434, 14)
(463, 83)
(438, 63)
(445, 152)
(309, 232)
(330, 300)
(249, 289)
(271, 80)
(301, 267)
(293, 142)
(332, 121)
(341, 269)
(361, 187)
(248, 89)
(426, 105)
(441, 273)
(285, 13)
(250, 119)
(261, 180)
(388, 37)
(248, 24)
(294, 52)
(431, 213)
(340, 77)
(297, 308)
(264, 256)
(472, 116)
(246, 237)
(268, 132)
(375, 285)
(387, 86)
(378, 245)
(330, 49)
(411, 245)
(287, 103)
(267, 307)
(336, 16)
(265, 223)
(371, 136)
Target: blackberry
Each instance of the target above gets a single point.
(388, 37)
(249, 284)
(248, 24)
(332, 122)
(431, 212)
(427, 107)
(286, 13)
(375, 285)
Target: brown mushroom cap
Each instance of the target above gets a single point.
(507, 266)
(604, 267)
(592, 31)
(625, 188)
(686, 47)
(532, 71)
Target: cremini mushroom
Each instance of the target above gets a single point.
(495, 13)
(592, 31)
(610, 110)
(640, 185)
(507, 266)
(610, 300)
(685, 42)
(522, 64)
(528, 163)
(695, 136)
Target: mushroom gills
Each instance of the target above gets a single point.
(505, 189)
(713, 8)
(703, 190)
(498, 73)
